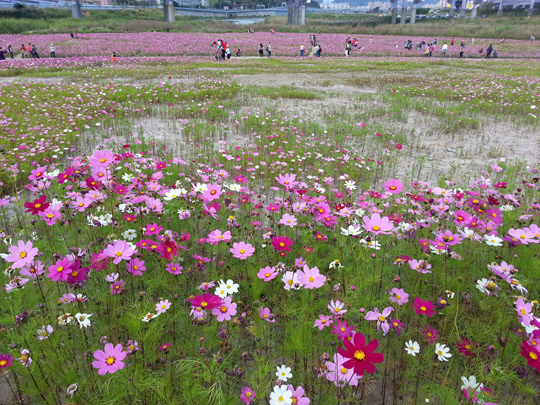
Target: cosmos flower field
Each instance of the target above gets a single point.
(180, 231)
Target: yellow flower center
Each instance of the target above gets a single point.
(102, 160)
(248, 394)
(49, 216)
(242, 251)
(204, 304)
(118, 254)
(359, 355)
(223, 309)
(74, 273)
(267, 274)
(59, 269)
(3, 363)
(423, 308)
(398, 297)
(344, 370)
(523, 312)
(22, 255)
(533, 355)
(110, 360)
(311, 279)
(381, 318)
(376, 228)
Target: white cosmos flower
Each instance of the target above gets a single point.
(350, 185)
(230, 286)
(442, 352)
(234, 187)
(283, 373)
(492, 240)
(200, 187)
(127, 177)
(130, 234)
(370, 244)
(470, 384)
(149, 316)
(281, 396)
(412, 348)
(83, 319)
(351, 231)
(171, 195)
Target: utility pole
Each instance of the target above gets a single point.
(500, 12)
(76, 8)
(531, 8)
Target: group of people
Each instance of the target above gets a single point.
(268, 50)
(223, 50)
(349, 44)
(429, 48)
(29, 51)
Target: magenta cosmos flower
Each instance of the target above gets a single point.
(282, 243)
(377, 225)
(206, 301)
(311, 278)
(360, 357)
(422, 307)
(118, 250)
(5, 360)
(265, 314)
(21, 255)
(247, 395)
(60, 270)
(225, 310)
(393, 186)
(242, 250)
(110, 359)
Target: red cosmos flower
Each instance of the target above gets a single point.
(161, 165)
(466, 347)
(92, 183)
(206, 301)
(168, 249)
(360, 357)
(130, 217)
(399, 146)
(282, 243)
(321, 237)
(531, 354)
(38, 205)
(422, 307)
(500, 184)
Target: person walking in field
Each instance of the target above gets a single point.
(488, 51)
(444, 49)
(302, 50)
(269, 50)
(261, 50)
(461, 49)
(35, 54)
(23, 51)
(52, 48)
(2, 53)
(10, 50)
(113, 57)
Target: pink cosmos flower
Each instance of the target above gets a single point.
(6, 360)
(110, 359)
(422, 307)
(288, 220)
(101, 158)
(268, 273)
(21, 255)
(298, 397)
(380, 318)
(311, 278)
(136, 267)
(265, 314)
(242, 250)
(206, 301)
(393, 186)
(118, 250)
(168, 249)
(377, 225)
(336, 308)
(226, 310)
(174, 268)
(420, 266)
(61, 270)
(399, 296)
(216, 236)
(340, 375)
(323, 321)
(50, 215)
(524, 236)
(162, 306)
(287, 180)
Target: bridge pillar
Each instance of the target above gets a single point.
(168, 11)
(302, 16)
(296, 12)
(474, 10)
(531, 8)
(403, 12)
(500, 11)
(453, 9)
(392, 6)
(76, 9)
(413, 12)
